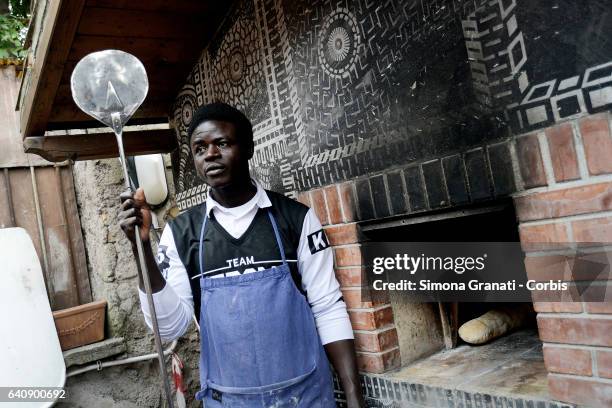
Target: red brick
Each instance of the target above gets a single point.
(348, 201)
(348, 256)
(376, 341)
(557, 307)
(545, 236)
(604, 363)
(593, 230)
(334, 207)
(562, 152)
(597, 296)
(558, 300)
(597, 142)
(318, 205)
(378, 362)
(530, 159)
(543, 268)
(575, 330)
(343, 234)
(350, 276)
(599, 307)
(567, 360)
(562, 203)
(362, 298)
(371, 319)
(304, 198)
(588, 392)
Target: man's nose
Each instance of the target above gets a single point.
(212, 152)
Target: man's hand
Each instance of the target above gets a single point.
(355, 400)
(341, 354)
(135, 211)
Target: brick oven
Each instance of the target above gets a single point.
(563, 175)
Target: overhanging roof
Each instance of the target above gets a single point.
(167, 36)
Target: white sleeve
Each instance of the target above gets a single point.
(174, 303)
(316, 266)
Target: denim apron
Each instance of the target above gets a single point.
(259, 345)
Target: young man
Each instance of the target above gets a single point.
(256, 269)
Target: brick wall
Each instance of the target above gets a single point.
(561, 181)
(376, 338)
(479, 174)
(567, 173)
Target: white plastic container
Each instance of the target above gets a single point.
(152, 177)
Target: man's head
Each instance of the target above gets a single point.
(221, 143)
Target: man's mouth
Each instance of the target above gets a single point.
(214, 170)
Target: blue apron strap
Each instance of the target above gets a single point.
(200, 252)
(279, 242)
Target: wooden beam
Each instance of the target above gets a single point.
(139, 23)
(58, 30)
(94, 124)
(58, 148)
(148, 50)
(174, 6)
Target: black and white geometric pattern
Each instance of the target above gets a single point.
(337, 89)
(339, 41)
(498, 57)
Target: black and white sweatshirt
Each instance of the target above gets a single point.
(241, 240)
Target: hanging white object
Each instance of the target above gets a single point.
(152, 177)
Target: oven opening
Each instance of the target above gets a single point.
(451, 345)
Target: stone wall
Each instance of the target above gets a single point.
(113, 276)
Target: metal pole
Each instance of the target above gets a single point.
(117, 128)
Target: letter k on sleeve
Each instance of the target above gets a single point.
(316, 267)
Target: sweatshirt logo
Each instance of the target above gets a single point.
(317, 241)
(163, 261)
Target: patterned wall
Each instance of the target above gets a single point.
(337, 89)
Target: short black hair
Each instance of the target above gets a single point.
(226, 113)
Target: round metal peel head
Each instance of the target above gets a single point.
(107, 82)
(110, 85)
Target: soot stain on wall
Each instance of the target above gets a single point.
(341, 89)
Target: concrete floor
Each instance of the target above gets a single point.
(511, 366)
(506, 373)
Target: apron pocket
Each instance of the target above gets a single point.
(287, 393)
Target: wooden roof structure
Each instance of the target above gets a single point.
(167, 36)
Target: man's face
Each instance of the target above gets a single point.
(219, 158)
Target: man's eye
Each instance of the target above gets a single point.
(199, 149)
(222, 144)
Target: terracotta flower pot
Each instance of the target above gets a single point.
(80, 325)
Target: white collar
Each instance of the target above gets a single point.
(261, 199)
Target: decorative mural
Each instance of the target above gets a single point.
(340, 89)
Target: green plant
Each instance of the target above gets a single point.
(12, 34)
